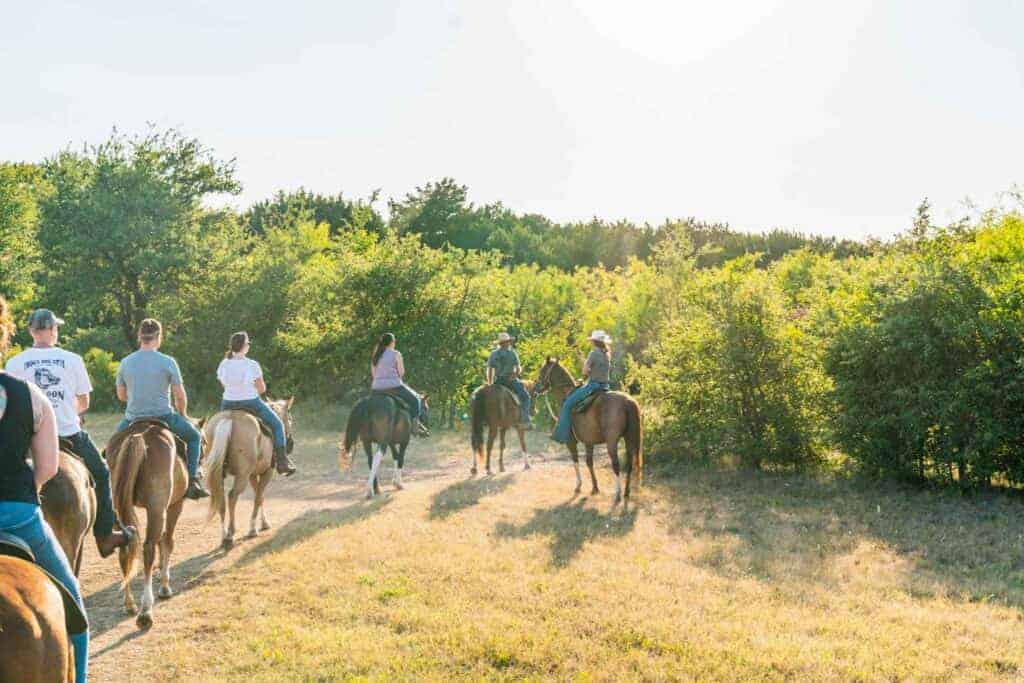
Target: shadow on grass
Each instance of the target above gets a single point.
(800, 527)
(465, 494)
(106, 606)
(570, 526)
(311, 522)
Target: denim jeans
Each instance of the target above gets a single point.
(25, 521)
(563, 430)
(265, 413)
(183, 428)
(82, 446)
(521, 393)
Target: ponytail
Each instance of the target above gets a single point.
(236, 343)
(384, 342)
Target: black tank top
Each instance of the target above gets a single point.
(17, 483)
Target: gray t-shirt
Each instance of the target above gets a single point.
(148, 377)
(504, 361)
(600, 366)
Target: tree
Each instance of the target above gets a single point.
(126, 223)
(340, 214)
(21, 186)
(434, 212)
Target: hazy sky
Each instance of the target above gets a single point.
(831, 117)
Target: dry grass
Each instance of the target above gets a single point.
(709, 575)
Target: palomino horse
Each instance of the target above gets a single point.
(34, 644)
(612, 416)
(69, 506)
(240, 448)
(497, 407)
(147, 472)
(383, 420)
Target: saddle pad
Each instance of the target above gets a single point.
(74, 618)
(583, 405)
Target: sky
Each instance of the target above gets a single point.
(824, 117)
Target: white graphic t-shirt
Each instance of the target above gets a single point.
(238, 375)
(61, 375)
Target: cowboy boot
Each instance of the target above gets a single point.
(281, 462)
(118, 538)
(195, 489)
(419, 429)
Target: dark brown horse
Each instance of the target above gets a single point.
(69, 506)
(34, 643)
(383, 420)
(147, 472)
(612, 416)
(495, 406)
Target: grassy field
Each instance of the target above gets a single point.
(707, 575)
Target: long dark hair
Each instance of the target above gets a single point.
(236, 343)
(384, 342)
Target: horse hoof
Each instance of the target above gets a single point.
(130, 610)
(526, 466)
(595, 491)
(577, 489)
(399, 487)
(164, 593)
(227, 544)
(490, 473)
(369, 495)
(252, 534)
(265, 526)
(144, 621)
(502, 469)
(472, 472)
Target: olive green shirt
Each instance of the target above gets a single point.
(504, 361)
(600, 366)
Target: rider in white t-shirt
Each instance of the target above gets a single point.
(243, 383)
(62, 377)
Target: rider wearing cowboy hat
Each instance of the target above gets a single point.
(503, 368)
(597, 370)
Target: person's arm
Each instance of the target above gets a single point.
(178, 389)
(261, 386)
(122, 390)
(586, 367)
(400, 363)
(83, 403)
(43, 446)
(518, 369)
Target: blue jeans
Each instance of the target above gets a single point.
(563, 430)
(25, 521)
(265, 413)
(410, 397)
(82, 446)
(521, 393)
(183, 428)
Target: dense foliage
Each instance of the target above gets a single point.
(771, 350)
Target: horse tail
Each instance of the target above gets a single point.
(477, 410)
(635, 439)
(129, 461)
(215, 469)
(355, 423)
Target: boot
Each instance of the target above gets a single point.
(282, 462)
(195, 489)
(118, 538)
(419, 429)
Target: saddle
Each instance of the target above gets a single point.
(179, 443)
(585, 404)
(74, 618)
(64, 445)
(264, 427)
(393, 393)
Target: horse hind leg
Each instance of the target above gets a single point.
(398, 468)
(260, 487)
(590, 466)
(372, 487)
(613, 453)
(522, 444)
(501, 450)
(155, 520)
(574, 452)
(166, 548)
(124, 557)
(491, 434)
(237, 487)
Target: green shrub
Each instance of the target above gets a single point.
(102, 369)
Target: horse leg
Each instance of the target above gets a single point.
(125, 558)
(261, 489)
(522, 444)
(576, 463)
(398, 468)
(613, 453)
(166, 548)
(254, 482)
(491, 433)
(590, 466)
(501, 450)
(155, 521)
(371, 483)
(237, 486)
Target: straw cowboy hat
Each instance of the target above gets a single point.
(503, 337)
(599, 335)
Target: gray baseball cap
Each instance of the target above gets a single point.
(43, 319)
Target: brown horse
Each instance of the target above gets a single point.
(147, 472)
(497, 407)
(34, 644)
(612, 416)
(69, 506)
(239, 447)
(383, 420)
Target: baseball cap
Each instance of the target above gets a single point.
(43, 319)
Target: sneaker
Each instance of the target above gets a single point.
(118, 538)
(196, 490)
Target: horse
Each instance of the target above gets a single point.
(34, 643)
(239, 447)
(497, 407)
(612, 416)
(68, 501)
(146, 471)
(383, 420)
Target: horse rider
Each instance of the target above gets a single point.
(388, 370)
(504, 368)
(144, 380)
(62, 376)
(28, 429)
(597, 369)
(242, 379)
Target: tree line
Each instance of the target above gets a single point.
(770, 350)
